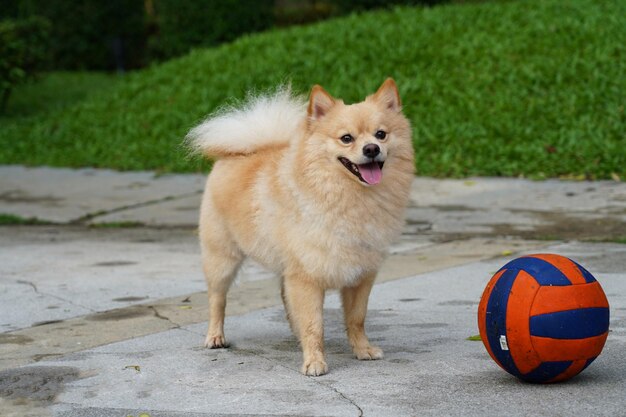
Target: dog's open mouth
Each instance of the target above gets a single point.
(370, 173)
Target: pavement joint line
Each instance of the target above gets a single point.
(90, 216)
(315, 380)
(159, 316)
(351, 401)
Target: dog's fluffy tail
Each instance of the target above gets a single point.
(262, 121)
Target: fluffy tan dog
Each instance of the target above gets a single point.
(316, 193)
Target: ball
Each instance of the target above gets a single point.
(543, 318)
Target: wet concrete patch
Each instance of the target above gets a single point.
(559, 225)
(115, 263)
(129, 299)
(288, 345)
(400, 361)
(120, 314)
(14, 339)
(36, 383)
(42, 356)
(18, 196)
(45, 322)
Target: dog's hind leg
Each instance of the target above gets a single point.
(354, 300)
(221, 258)
(219, 271)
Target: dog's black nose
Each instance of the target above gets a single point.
(371, 150)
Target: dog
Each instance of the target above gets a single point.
(313, 191)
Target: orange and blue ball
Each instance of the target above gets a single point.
(543, 318)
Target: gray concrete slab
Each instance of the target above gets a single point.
(54, 273)
(519, 207)
(178, 212)
(421, 322)
(62, 273)
(65, 195)
(485, 206)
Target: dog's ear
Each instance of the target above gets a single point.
(320, 102)
(388, 96)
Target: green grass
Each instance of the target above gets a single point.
(533, 88)
(618, 239)
(55, 91)
(13, 220)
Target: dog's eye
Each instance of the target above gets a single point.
(381, 134)
(347, 138)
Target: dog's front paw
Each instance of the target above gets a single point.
(314, 368)
(368, 353)
(215, 342)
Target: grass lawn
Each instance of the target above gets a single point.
(534, 88)
(55, 91)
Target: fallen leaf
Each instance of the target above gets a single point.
(475, 338)
(506, 253)
(185, 307)
(615, 177)
(135, 367)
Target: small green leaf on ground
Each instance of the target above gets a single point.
(135, 367)
(475, 338)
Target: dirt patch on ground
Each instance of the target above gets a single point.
(567, 227)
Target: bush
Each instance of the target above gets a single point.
(182, 25)
(126, 34)
(91, 34)
(350, 5)
(23, 51)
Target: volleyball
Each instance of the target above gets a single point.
(543, 318)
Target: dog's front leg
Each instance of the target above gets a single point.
(304, 301)
(354, 300)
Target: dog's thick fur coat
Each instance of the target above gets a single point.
(315, 193)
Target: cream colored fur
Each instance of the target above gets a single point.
(280, 195)
(263, 121)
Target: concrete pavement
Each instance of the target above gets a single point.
(103, 320)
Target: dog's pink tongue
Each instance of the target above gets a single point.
(371, 173)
